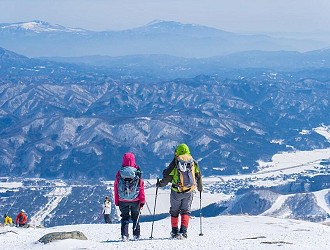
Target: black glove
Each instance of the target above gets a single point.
(141, 205)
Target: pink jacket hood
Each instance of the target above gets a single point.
(129, 160)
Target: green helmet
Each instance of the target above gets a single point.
(182, 149)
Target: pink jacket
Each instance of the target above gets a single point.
(129, 161)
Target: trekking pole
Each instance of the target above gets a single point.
(200, 213)
(148, 208)
(153, 216)
(137, 221)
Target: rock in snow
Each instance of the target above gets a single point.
(50, 237)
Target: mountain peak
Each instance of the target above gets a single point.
(197, 30)
(169, 24)
(9, 55)
(38, 26)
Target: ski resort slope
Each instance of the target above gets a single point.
(222, 232)
(55, 197)
(321, 201)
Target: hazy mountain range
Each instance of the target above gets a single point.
(38, 38)
(171, 67)
(69, 121)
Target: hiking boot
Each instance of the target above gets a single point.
(136, 237)
(184, 235)
(124, 238)
(175, 230)
(183, 230)
(175, 233)
(176, 236)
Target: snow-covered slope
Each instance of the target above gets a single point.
(311, 206)
(222, 232)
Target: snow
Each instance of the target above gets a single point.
(321, 199)
(298, 161)
(324, 131)
(295, 162)
(277, 141)
(286, 163)
(221, 232)
(9, 185)
(12, 186)
(278, 204)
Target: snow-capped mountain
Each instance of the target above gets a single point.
(37, 26)
(161, 37)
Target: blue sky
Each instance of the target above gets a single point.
(230, 15)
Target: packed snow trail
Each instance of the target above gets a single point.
(55, 196)
(220, 232)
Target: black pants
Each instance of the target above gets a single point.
(129, 210)
(107, 218)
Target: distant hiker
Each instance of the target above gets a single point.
(184, 174)
(7, 220)
(21, 219)
(129, 195)
(106, 210)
